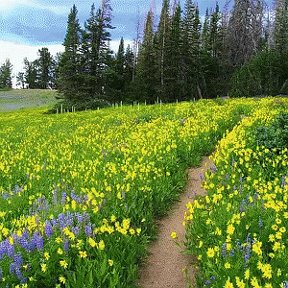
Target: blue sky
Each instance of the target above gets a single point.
(41, 22)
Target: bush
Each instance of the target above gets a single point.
(275, 135)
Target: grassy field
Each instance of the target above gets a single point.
(26, 98)
(80, 191)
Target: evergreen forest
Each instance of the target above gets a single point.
(238, 51)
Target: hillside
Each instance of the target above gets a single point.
(26, 98)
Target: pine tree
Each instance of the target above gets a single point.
(173, 73)
(69, 82)
(115, 76)
(20, 80)
(146, 77)
(128, 66)
(205, 36)
(281, 27)
(45, 68)
(191, 51)
(161, 43)
(30, 74)
(96, 50)
(6, 74)
(244, 32)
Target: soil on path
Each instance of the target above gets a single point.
(166, 265)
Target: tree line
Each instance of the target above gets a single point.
(38, 74)
(239, 51)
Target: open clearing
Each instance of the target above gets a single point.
(26, 98)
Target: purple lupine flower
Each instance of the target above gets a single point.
(12, 268)
(48, 229)
(23, 280)
(79, 218)
(76, 230)
(88, 230)
(54, 222)
(10, 249)
(63, 198)
(66, 245)
(18, 260)
(23, 242)
(2, 249)
(38, 241)
(18, 273)
(31, 244)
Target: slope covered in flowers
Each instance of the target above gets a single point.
(79, 191)
(239, 230)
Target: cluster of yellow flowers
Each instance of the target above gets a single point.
(241, 224)
(85, 187)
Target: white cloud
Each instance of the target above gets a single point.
(7, 5)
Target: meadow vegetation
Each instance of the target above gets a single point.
(80, 191)
(239, 230)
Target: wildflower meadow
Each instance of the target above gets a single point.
(79, 193)
(239, 230)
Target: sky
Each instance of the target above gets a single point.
(28, 25)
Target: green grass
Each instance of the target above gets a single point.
(26, 98)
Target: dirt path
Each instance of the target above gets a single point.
(165, 265)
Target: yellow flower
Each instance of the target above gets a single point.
(63, 264)
(62, 280)
(210, 252)
(173, 235)
(101, 245)
(227, 265)
(82, 254)
(240, 283)
(110, 262)
(247, 274)
(92, 242)
(282, 229)
(46, 255)
(256, 248)
(59, 251)
(230, 229)
(228, 284)
(43, 267)
(267, 271)
(254, 283)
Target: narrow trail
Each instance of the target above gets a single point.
(166, 266)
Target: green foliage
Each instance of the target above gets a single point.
(265, 74)
(275, 135)
(6, 75)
